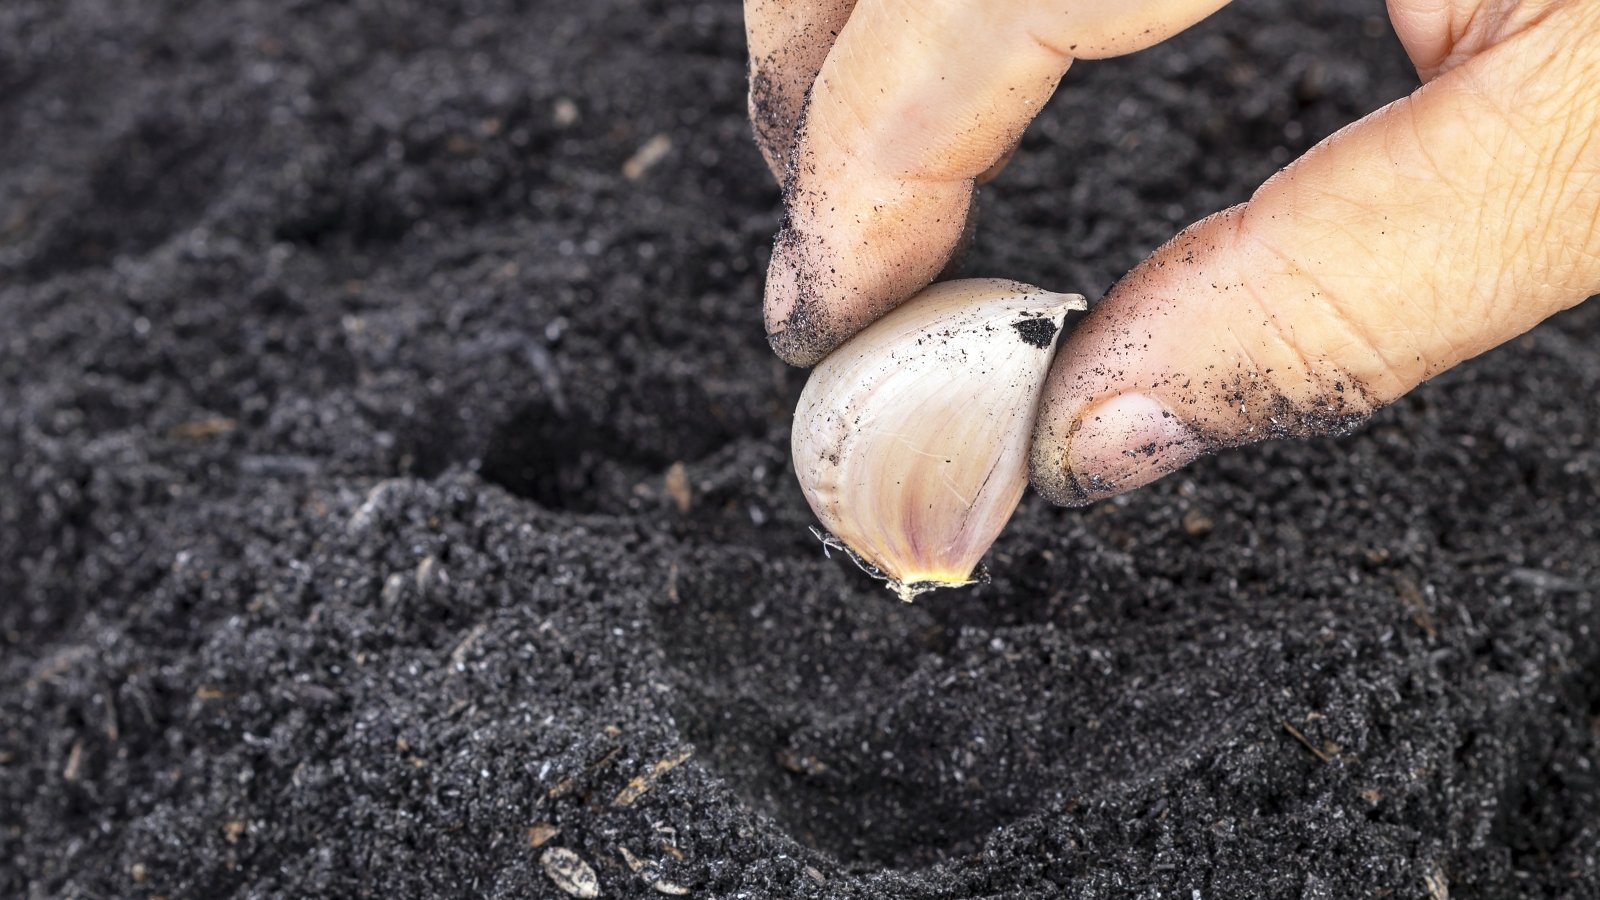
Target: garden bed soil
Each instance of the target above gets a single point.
(396, 493)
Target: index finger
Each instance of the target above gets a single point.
(915, 101)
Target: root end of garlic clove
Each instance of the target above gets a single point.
(909, 589)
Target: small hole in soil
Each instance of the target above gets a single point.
(587, 457)
(564, 462)
(810, 708)
(873, 732)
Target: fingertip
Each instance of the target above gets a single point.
(1052, 478)
(797, 342)
(799, 330)
(1112, 447)
(841, 261)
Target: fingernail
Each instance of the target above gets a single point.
(1126, 442)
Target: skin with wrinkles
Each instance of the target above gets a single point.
(1328, 297)
(1420, 236)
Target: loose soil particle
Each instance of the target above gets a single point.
(1036, 332)
(342, 375)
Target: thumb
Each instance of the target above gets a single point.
(1421, 236)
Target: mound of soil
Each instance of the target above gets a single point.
(396, 502)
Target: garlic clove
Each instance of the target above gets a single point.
(911, 439)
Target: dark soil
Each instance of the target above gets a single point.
(389, 480)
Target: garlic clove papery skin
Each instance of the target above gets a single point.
(911, 439)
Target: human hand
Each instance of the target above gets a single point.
(1426, 233)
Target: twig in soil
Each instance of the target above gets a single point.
(1413, 597)
(642, 784)
(1437, 884)
(458, 656)
(565, 785)
(540, 833)
(1316, 751)
(74, 762)
(203, 429)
